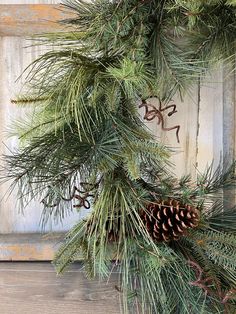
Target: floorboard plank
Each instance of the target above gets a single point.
(34, 288)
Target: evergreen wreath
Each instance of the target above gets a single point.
(173, 241)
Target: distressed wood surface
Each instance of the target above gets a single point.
(30, 1)
(14, 57)
(30, 246)
(20, 19)
(210, 135)
(229, 115)
(34, 288)
(229, 112)
(16, 53)
(206, 116)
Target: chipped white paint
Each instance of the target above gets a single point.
(29, 247)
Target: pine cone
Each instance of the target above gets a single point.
(169, 220)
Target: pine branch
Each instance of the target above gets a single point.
(85, 146)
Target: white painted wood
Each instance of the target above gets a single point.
(229, 125)
(229, 112)
(14, 57)
(184, 153)
(210, 136)
(206, 117)
(187, 117)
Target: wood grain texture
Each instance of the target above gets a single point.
(206, 116)
(16, 53)
(34, 288)
(187, 117)
(184, 153)
(229, 126)
(29, 19)
(30, 1)
(30, 246)
(229, 112)
(210, 134)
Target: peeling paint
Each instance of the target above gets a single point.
(29, 247)
(27, 252)
(28, 19)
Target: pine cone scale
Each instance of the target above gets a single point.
(169, 220)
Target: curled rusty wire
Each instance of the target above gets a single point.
(152, 112)
(200, 282)
(82, 195)
(206, 284)
(83, 200)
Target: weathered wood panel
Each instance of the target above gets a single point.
(228, 113)
(14, 57)
(22, 20)
(30, 1)
(206, 116)
(210, 135)
(27, 288)
(30, 246)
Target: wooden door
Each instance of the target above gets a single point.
(21, 233)
(206, 117)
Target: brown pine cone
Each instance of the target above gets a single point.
(169, 220)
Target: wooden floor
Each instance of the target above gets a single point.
(34, 288)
